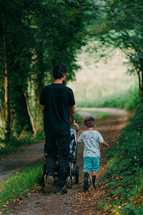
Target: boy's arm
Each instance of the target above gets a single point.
(105, 144)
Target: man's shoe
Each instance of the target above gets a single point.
(94, 187)
(62, 191)
(49, 184)
(86, 183)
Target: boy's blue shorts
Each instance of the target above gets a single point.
(91, 164)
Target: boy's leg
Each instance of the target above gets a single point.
(86, 170)
(95, 168)
(86, 181)
(93, 179)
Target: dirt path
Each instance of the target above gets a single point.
(75, 201)
(20, 159)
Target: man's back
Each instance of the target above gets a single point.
(56, 99)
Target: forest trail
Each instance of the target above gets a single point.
(75, 201)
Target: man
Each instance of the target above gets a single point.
(59, 111)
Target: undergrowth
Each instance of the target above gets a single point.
(124, 175)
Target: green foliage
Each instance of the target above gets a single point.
(123, 29)
(19, 184)
(124, 176)
(131, 209)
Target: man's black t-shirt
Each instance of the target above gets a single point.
(56, 99)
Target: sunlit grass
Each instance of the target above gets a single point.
(19, 184)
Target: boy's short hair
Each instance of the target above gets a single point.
(89, 121)
(58, 71)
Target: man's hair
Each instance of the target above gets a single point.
(89, 121)
(58, 71)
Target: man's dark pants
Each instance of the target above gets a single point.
(57, 147)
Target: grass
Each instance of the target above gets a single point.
(19, 184)
(78, 116)
(98, 113)
(124, 176)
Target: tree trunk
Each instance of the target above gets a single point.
(140, 79)
(39, 82)
(30, 114)
(6, 87)
(141, 87)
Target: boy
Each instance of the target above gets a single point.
(91, 139)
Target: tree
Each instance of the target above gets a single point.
(17, 55)
(36, 35)
(121, 26)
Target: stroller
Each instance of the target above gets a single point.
(73, 169)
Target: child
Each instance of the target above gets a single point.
(91, 139)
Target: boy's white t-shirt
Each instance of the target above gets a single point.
(91, 140)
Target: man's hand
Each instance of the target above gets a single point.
(72, 113)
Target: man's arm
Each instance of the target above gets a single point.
(77, 136)
(105, 144)
(72, 113)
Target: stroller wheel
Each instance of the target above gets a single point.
(77, 175)
(69, 183)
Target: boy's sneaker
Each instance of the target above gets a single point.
(86, 183)
(93, 182)
(62, 191)
(49, 184)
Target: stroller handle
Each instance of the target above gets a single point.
(77, 126)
